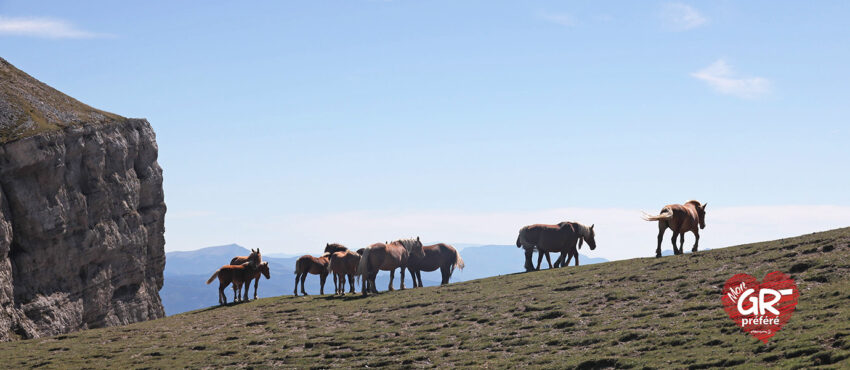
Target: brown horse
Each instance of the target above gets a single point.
(236, 274)
(308, 264)
(263, 270)
(439, 256)
(680, 218)
(586, 233)
(342, 264)
(254, 257)
(334, 247)
(387, 257)
(560, 238)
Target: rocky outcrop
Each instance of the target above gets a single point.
(81, 214)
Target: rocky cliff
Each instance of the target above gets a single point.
(81, 213)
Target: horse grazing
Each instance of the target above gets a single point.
(308, 264)
(680, 218)
(387, 257)
(254, 258)
(439, 256)
(263, 270)
(561, 238)
(342, 264)
(236, 274)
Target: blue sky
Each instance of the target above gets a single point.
(283, 125)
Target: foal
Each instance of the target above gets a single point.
(308, 264)
(343, 264)
(236, 274)
(262, 270)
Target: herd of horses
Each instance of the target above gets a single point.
(409, 254)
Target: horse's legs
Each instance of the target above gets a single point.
(350, 282)
(401, 287)
(444, 270)
(247, 286)
(322, 278)
(673, 240)
(256, 282)
(303, 279)
(576, 254)
(372, 287)
(295, 291)
(392, 277)
(419, 277)
(696, 242)
(222, 298)
(662, 227)
(539, 259)
(548, 260)
(236, 296)
(682, 243)
(365, 283)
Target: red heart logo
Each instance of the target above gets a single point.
(761, 309)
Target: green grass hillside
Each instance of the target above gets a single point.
(641, 313)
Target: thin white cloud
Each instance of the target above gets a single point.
(562, 19)
(44, 27)
(681, 17)
(720, 77)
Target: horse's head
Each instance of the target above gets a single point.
(416, 249)
(334, 247)
(701, 213)
(264, 269)
(590, 238)
(255, 258)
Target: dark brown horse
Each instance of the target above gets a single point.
(236, 274)
(343, 264)
(439, 256)
(263, 270)
(308, 264)
(254, 258)
(387, 257)
(334, 247)
(680, 218)
(561, 238)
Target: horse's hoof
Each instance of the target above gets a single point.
(658, 255)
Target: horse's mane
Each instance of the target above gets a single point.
(695, 202)
(408, 243)
(582, 230)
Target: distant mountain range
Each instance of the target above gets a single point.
(186, 273)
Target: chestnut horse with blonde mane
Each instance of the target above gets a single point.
(343, 264)
(438, 256)
(680, 218)
(387, 257)
(308, 264)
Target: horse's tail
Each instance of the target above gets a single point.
(214, 275)
(458, 261)
(329, 268)
(363, 265)
(521, 238)
(299, 266)
(665, 214)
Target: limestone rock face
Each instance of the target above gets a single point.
(81, 214)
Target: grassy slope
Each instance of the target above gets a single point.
(641, 312)
(30, 107)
